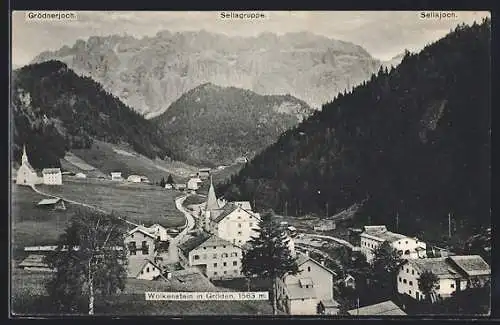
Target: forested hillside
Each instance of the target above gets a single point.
(413, 141)
(53, 110)
(212, 125)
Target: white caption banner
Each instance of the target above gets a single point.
(205, 296)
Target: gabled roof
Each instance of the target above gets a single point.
(436, 265)
(472, 265)
(49, 201)
(295, 291)
(34, 260)
(141, 229)
(383, 308)
(302, 258)
(380, 233)
(228, 209)
(51, 171)
(135, 266)
(204, 239)
(244, 205)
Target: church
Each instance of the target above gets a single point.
(26, 174)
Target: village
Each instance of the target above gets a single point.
(217, 233)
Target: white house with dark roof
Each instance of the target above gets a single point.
(140, 243)
(454, 273)
(194, 183)
(143, 269)
(52, 176)
(215, 257)
(305, 292)
(116, 176)
(408, 247)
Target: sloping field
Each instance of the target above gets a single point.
(110, 158)
(32, 225)
(139, 203)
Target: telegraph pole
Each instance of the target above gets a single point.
(449, 224)
(286, 208)
(397, 220)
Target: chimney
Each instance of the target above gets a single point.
(306, 252)
(323, 262)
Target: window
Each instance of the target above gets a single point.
(158, 238)
(224, 246)
(204, 248)
(132, 236)
(145, 248)
(251, 224)
(452, 285)
(235, 271)
(196, 257)
(412, 272)
(215, 273)
(404, 280)
(215, 255)
(235, 263)
(225, 272)
(406, 242)
(400, 279)
(409, 291)
(308, 269)
(224, 264)
(239, 225)
(215, 247)
(147, 269)
(132, 248)
(438, 287)
(215, 264)
(239, 233)
(411, 283)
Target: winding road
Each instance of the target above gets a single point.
(190, 223)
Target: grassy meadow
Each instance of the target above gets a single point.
(139, 203)
(110, 158)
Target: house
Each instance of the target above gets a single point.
(116, 176)
(143, 269)
(453, 273)
(194, 183)
(204, 173)
(134, 179)
(35, 262)
(144, 179)
(168, 186)
(215, 257)
(373, 236)
(349, 281)
(329, 307)
(26, 174)
(159, 232)
(140, 243)
(308, 292)
(325, 225)
(386, 308)
(53, 203)
(80, 175)
(52, 176)
(473, 267)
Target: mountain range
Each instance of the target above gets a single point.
(412, 142)
(151, 73)
(213, 125)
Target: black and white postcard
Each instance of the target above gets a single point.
(333, 164)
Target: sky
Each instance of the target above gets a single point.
(383, 34)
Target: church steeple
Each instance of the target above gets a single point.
(24, 159)
(211, 198)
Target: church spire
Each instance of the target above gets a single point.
(211, 198)
(24, 159)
